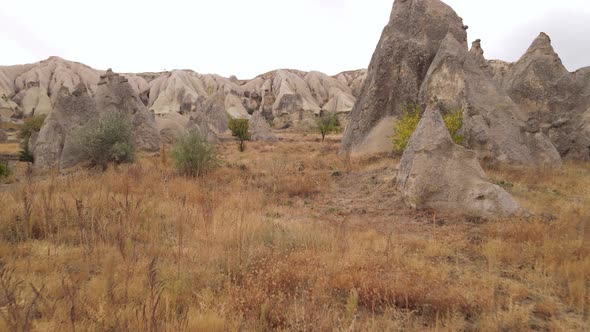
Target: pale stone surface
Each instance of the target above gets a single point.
(259, 129)
(437, 174)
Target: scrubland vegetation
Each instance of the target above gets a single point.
(279, 238)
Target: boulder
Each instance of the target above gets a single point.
(260, 129)
(401, 60)
(493, 125)
(437, 174)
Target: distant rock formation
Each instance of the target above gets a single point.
(401, 60)
(493, 125)
(286, 98)
(437, 174)
(55, 145)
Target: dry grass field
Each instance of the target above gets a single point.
(287, 237)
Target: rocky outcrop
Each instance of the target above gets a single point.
(437, 174)
(493, 125)
(55, 146)
(115, 94)
(555, 100)
(259, 129)
(401, 60)
(539, 82)
(173, 125)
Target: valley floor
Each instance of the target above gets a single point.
(289, 237)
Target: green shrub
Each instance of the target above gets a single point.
(193, 155)
(239, 129)
(327, 123)
(107, 140)
(405, 126)
(4, 170)
(30, 126)
(407, 123)
(454, 122)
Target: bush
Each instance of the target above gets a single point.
(30, 126)
(239, 129)
(4, 170)
(405, 126)
(327, 123)
(108, 140)
(193, 155)
(454, 122)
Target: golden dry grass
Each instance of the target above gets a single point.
(287, 237)
(9, 148)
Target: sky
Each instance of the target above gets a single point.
(247, 38)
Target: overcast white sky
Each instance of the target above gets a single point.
(247, 38)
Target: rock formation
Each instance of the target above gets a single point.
(115, 94)
(287, 98)
(493, 125)
(407, 46)
(556, 101)
(259, 129)
(437, 174)
(55, 144)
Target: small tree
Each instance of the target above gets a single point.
(193, 155)
(327, 123)
(405, 126)
(239, 129)
(30, 126)
(109, 139)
